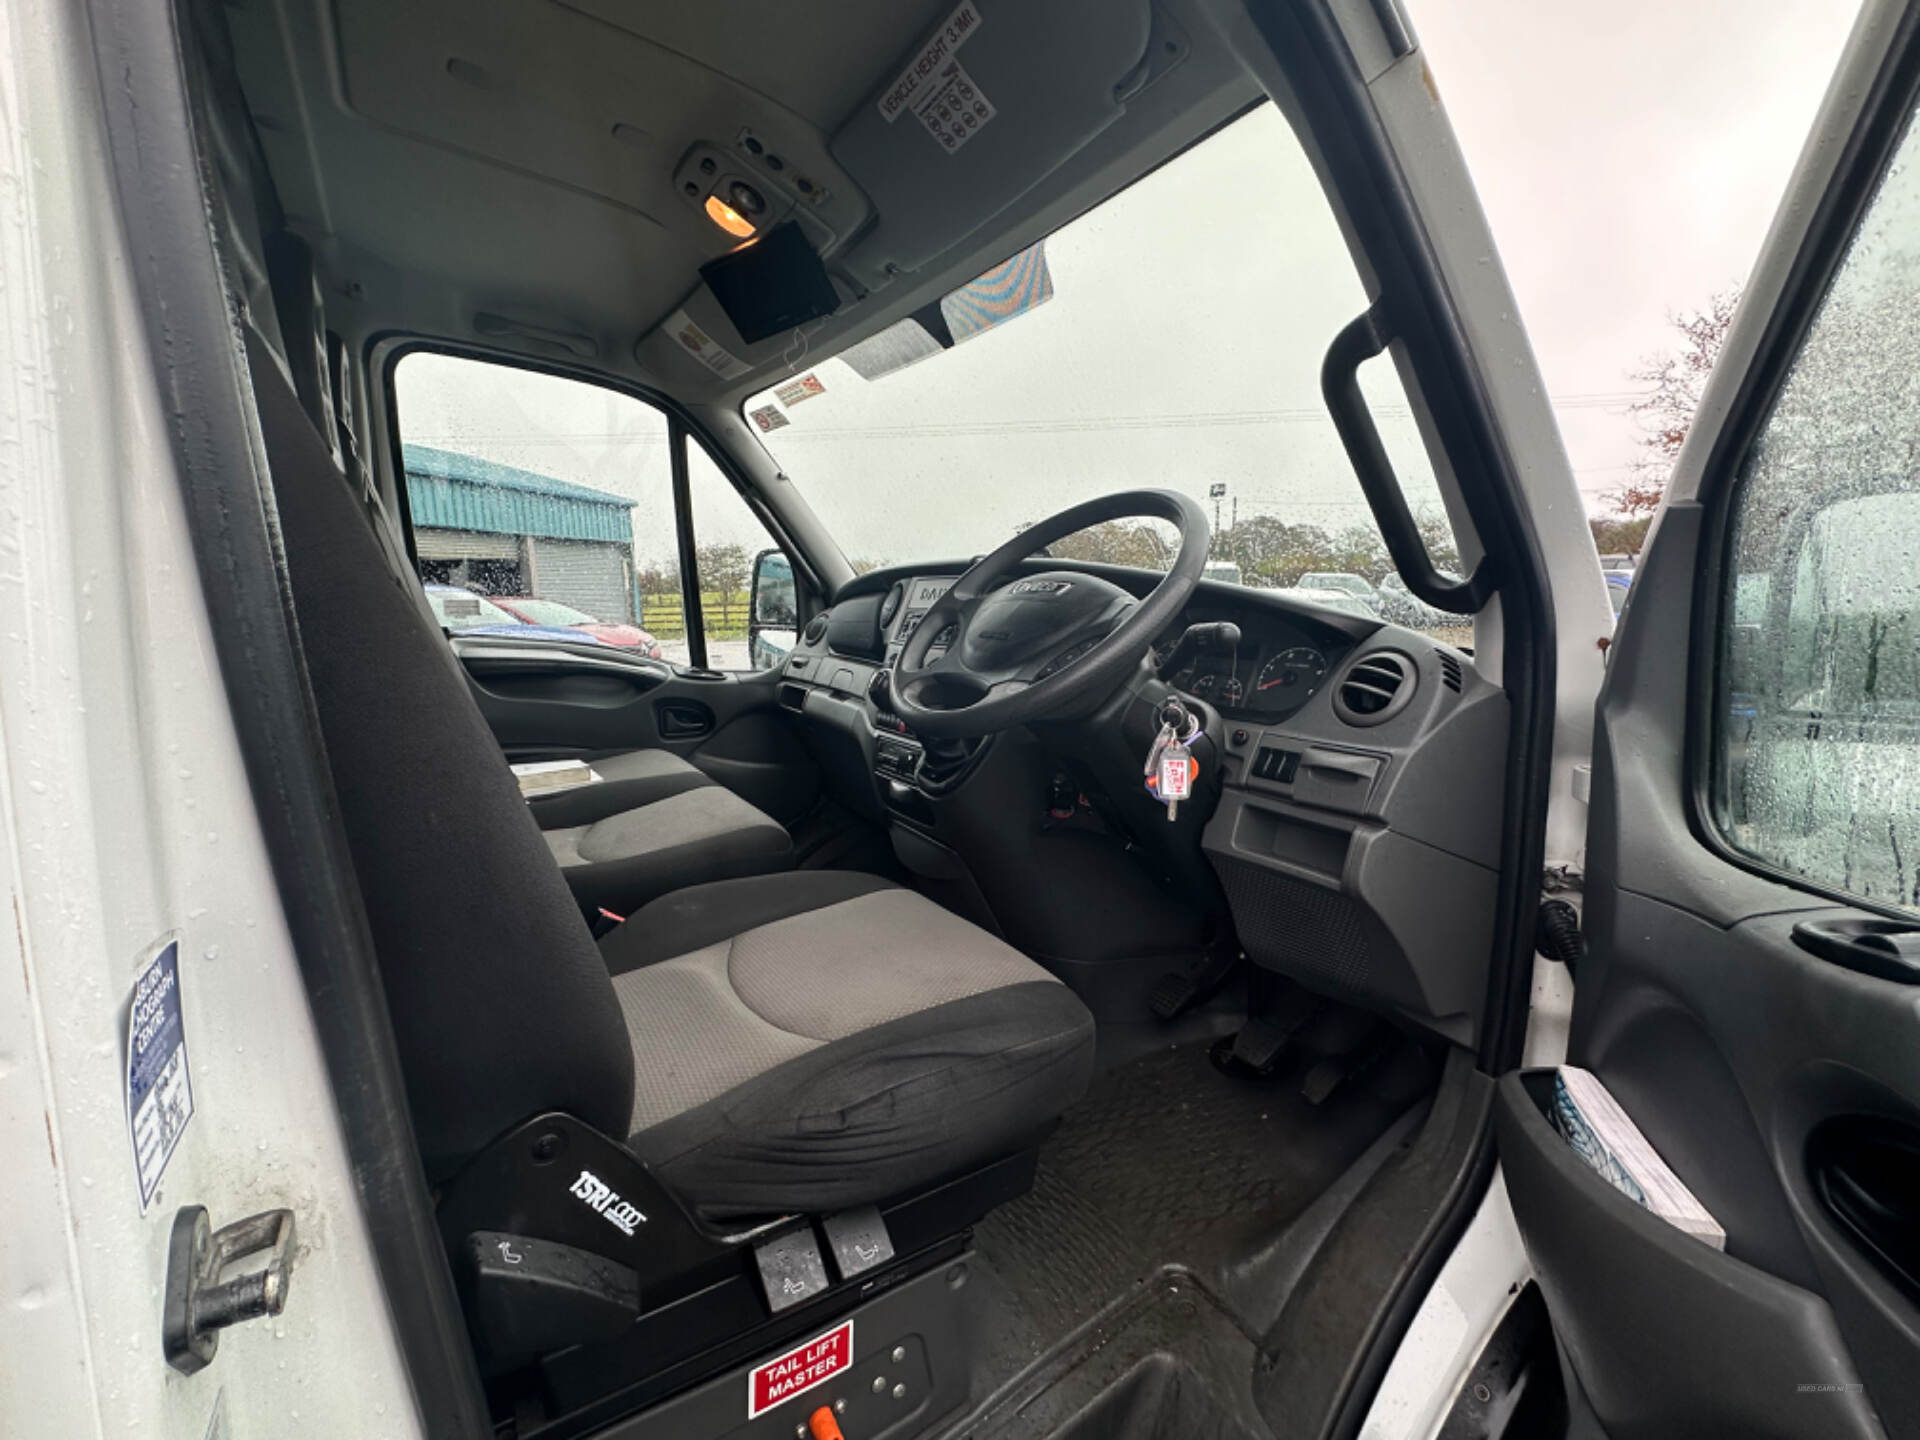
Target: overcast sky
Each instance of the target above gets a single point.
(1630, 155)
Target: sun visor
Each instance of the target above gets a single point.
(992, 101)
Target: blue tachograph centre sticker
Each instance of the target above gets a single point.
(159, 1094)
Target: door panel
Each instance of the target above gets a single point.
(546, 704)
(1668, 1336)
(1758, 734)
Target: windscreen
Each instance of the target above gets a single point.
(1170, 337)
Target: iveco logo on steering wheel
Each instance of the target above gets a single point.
(1039, 587)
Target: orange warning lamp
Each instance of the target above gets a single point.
(822, 1426)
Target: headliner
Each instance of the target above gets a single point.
(449, 159)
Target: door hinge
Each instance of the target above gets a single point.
(199, 1304)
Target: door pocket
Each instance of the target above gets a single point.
(1666, 1335)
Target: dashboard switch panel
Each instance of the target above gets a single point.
(1276, 765)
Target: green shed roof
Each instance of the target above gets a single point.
(449, 491)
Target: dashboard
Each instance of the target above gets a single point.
(1353, 828)
(1283, 659)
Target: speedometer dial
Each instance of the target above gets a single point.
(1287, 679)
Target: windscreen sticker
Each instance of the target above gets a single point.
(768, 418)
(907, 92)
(805, 388)
(954, 111)
(159, 1093)
(703, 347)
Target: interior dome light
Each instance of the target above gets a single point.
(728, 218)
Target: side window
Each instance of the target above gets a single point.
(540, 504)
(748, 608)
(1816, 751)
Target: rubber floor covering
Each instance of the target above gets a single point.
(1166, 1162)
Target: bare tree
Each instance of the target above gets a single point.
(1677, 378)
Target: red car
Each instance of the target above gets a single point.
(555, 615)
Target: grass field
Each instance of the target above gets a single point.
(663, 616)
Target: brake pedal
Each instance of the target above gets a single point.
(1265, 1038)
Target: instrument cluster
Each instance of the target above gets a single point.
(1275, 670)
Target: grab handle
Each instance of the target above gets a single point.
(1361, 340)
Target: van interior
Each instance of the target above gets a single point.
(869, 1036)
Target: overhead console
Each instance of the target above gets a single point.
(1358, 839)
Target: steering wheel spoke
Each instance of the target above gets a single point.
(1031, 646)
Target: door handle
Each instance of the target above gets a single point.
(198, 1303)
(1888, 949)
(682, 719)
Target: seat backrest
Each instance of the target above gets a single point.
(501, 1004)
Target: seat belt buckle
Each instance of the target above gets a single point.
(605, 922)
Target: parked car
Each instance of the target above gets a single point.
(1225, 571)
(535, 611)
(1333, 598)
(1619, 584)
(461, 612)
(1619, 563)
(1400, 606)
(1356, 585)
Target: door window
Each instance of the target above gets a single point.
(543, 510)
(1817, 722)
(728, 540)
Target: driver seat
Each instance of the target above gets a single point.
(806, 1041)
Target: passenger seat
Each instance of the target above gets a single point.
(652, 825)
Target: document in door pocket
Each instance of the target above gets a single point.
(1602, 1135)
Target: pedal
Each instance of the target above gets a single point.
(1330, 1074)
(1322, 1080)
(1265, 1038)
(1172, 993)
(1181, 990)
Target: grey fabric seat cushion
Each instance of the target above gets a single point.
(635, 855)
(628, 780)
(812, 1041)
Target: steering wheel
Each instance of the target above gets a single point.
(1048, 646)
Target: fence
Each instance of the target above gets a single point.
(663, 615)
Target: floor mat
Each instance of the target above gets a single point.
(1166, 1163)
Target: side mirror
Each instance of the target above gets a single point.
(773, 611)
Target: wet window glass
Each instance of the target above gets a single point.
(542, 507)
(1817, 753)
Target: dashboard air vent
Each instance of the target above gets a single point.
(1376, 687)
(816, 627)
(1449, 670)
